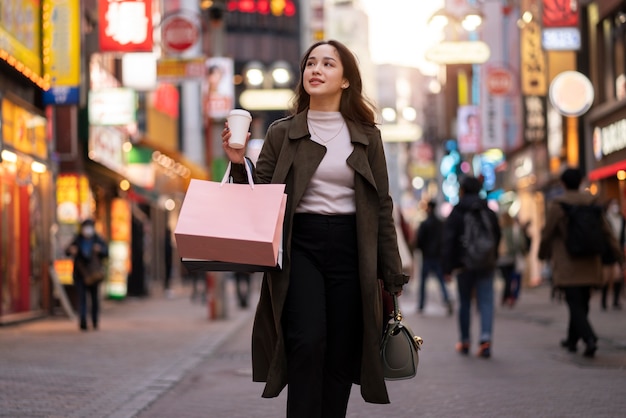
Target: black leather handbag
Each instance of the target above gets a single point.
(399, 349)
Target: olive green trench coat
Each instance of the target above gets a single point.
(290, 157)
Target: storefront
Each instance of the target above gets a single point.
(26, 188)
(605, 123)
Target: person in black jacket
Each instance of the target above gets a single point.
(471, 280)
(428, 241)
(86, 244)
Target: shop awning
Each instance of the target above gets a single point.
(606, 171)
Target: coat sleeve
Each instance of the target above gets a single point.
(555, 213)
(389, 260)
(450, 243)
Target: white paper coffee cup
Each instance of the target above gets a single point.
(239, 124)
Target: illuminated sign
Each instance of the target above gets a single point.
(113, 106)
(560, 39)
(559, 13)
(533, 61)
(61, 42)
(20, 38)
(571, 93)
(464, 52)
(264, 7)
(125, 25)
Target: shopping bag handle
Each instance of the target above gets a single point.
(248, 172)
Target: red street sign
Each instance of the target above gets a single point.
(499, 81)
(179, 34)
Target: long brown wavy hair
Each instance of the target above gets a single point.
(354, 106)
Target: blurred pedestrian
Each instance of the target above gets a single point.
(612, 270)
(318, 321)
(470, 249)
(429, 241)
(85, 245)
(576, 275)
(512, 250)
(242, 286)
(168, 254)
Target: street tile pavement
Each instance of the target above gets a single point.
(529, 375)
(160, 358)
(48, 368)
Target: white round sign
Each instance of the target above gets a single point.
(571, 93)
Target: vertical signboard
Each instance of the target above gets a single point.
(119, 249)
(533, 76)
(492, 105)
(125, 25)
(533, 60)
(61, 51)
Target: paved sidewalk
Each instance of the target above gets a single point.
(48, 368)
(159, 357)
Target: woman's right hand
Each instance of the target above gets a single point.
(236, 156)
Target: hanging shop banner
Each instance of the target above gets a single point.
(61, 38)
(20, 35)
(533, 72)
(125, 25)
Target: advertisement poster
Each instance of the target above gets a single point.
(468, 129)
(218, 87)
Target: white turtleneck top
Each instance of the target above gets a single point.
(331, 190)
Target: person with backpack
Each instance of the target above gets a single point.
(428, 241)
(471, 237)
(512, 250)
(613, 272)
(573, 238)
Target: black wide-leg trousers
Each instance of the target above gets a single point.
(322, 316)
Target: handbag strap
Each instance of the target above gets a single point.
(397, 315)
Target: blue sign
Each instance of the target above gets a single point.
(61, 96)
(560, 39)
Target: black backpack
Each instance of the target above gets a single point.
(478, 240)
(585, 233)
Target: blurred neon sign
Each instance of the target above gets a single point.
(264, 7)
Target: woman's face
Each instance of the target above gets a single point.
(323, 73)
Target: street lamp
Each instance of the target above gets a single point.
(458, 50)
(267, 87)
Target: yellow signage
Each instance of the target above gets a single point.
(23, 130)
(20, 36)
(61, 42)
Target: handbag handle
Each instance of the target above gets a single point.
(397, 316)
(248, 172)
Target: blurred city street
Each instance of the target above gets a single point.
(161, 357)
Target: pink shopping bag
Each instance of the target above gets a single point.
(225, 226)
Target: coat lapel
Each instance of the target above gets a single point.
(358, 159)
